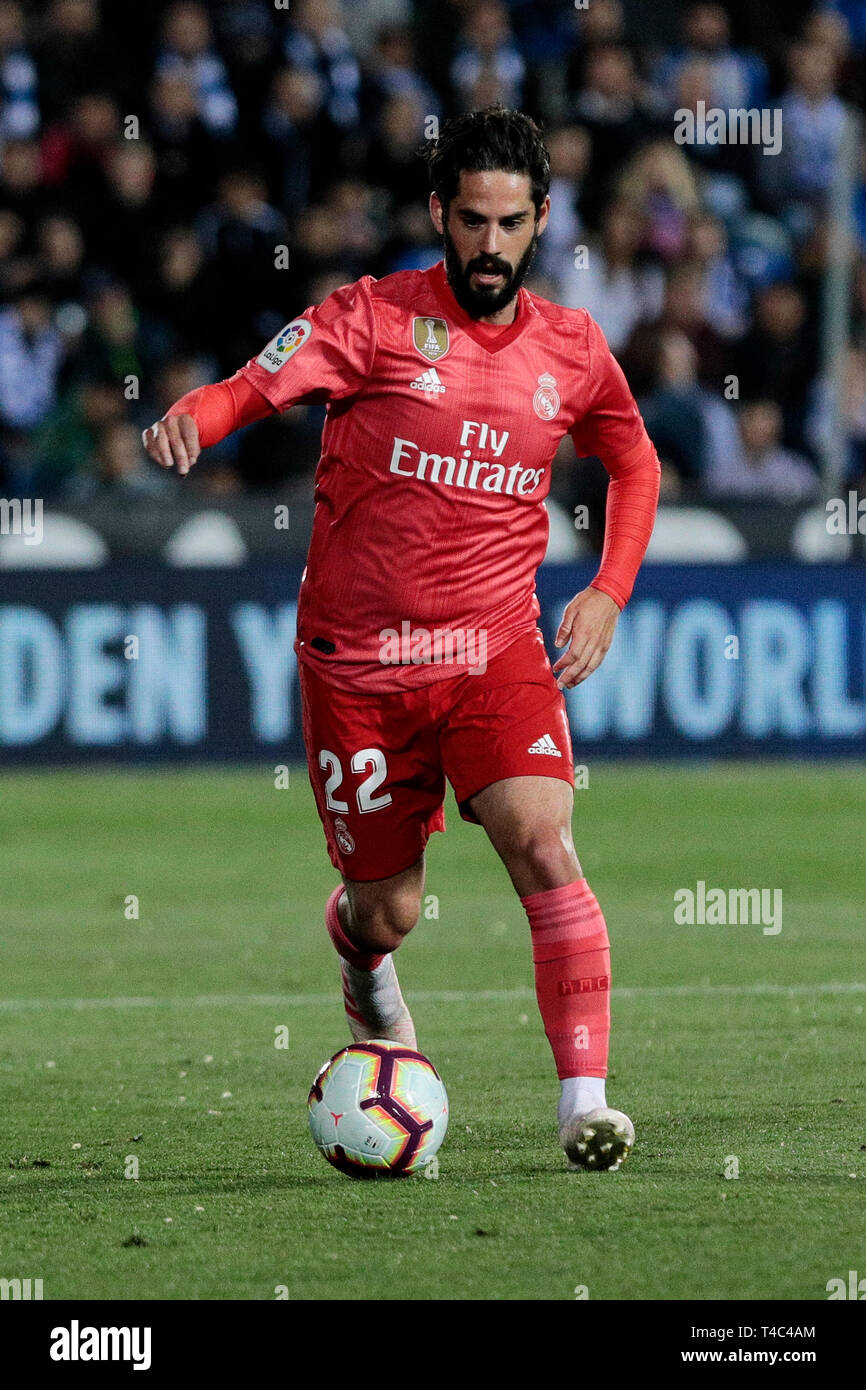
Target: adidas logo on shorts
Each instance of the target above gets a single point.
(545, 744)
(429, 382)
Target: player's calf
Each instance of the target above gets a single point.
(571, 952)
(377, 916)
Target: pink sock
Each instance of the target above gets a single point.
(344, 947)
(571, 953)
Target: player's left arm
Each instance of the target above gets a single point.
(590, 619)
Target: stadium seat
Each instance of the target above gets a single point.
(66, 543)
(207, 540)
(695, 535)
(812, 542)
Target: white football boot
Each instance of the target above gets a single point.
(375, 1007)
(600, 1140)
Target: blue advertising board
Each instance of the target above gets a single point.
(139, 664)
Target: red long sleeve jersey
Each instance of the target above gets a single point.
(436, 460)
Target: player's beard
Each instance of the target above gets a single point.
(480, 304)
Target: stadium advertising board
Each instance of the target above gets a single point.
(132, 663)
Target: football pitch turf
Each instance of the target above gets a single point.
(153, 1040)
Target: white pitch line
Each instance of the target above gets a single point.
(421, 996)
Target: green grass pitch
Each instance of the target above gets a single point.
(153, 1040)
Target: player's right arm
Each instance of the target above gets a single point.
(201, 418)
(324, 356)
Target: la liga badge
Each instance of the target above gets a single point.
(285, 345)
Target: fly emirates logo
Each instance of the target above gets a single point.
(460, 469)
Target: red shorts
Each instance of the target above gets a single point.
(378, 762)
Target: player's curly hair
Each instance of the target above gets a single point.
(492, 139)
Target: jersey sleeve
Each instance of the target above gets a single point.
(326, 355)
(612, 423)
(612, 429)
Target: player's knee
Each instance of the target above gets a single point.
(379, 925)
(545, 858)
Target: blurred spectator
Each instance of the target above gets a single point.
(724, 298)
(360, 219)
(301, 140)
(778, 358)
(75, 56)
(61, 257)
(547, 31)
(682, 312)
(661, 186)
(364, 23)
(30, 349)
(570, 153)
(318, 43)
(76, 148)
(487, 52)
(121, 471)
(392, 160)
(187, 156)
(602, 22)
(188, 51)
(184, 292)
(673, 409)
(15, 267)
(830, 29)
(65, 443)
(392, 68)
(600, 25)
(854, 13)
(761, 467)
(610, 107)
(22, 190)
(122, 227)
(813, 119)
(719, 162)
(30, 359)
(247, 35)
(19, 105)
(617, 290)
(241, 233)
(736, 78)
(121, 344)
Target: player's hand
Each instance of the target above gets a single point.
(587, 627)
(173, 442)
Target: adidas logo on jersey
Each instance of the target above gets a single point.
(545, 744)
(429, 382)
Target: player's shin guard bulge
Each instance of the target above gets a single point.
(571, 953)
(371, 991)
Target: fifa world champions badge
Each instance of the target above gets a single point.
(546, 401)
(431, 338)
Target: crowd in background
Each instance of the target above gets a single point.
(154, 158)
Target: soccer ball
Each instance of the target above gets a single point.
(378, 1109)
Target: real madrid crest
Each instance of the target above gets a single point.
(431, 338)
(546, 401)
(342, 836)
